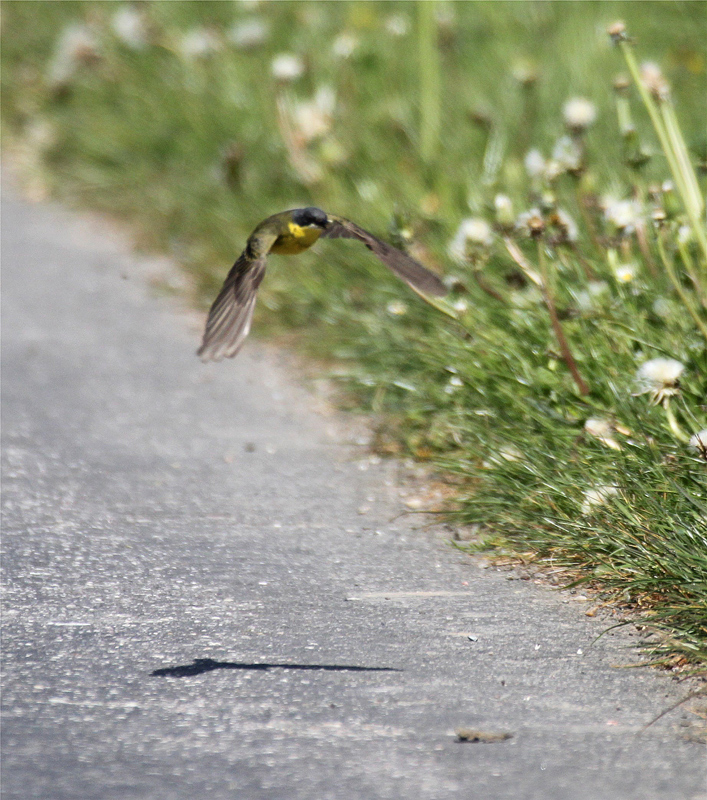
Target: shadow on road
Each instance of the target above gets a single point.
(208, 665)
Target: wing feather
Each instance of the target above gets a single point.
(231, 314)
(404, 266)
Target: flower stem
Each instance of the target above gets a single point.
(678, 432)
(690, 267)
(567, 356)
(683, 179)
(667, 263)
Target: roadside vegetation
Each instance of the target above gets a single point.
(548, 161)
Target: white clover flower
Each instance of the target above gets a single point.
(77, 46)
(599, 496)
(660, 377)
(472, 233)
(624, 215)
(698, 442)
(287, 67)
(397, 24)
(579, 113)
(397, 308)
(567, 153)
(129, 26)
(249, 33)
(313, 118)
(460, 305)
(504, 210)
(534, 163)
(345, 45)
(199, 43)
(625, 273)
(602, 430)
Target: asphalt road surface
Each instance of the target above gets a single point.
(206, 594)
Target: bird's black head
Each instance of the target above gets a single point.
(310, 216)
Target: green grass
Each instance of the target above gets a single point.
(428, 127)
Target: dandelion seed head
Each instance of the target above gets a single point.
(603, 430)
(662, 307)
(621, 84)
(199, 43)
(77, 46)
(287, 67)
(568, 154)
(586, 299)
(579, 113)
(397, 25)
(684, 234)
(249, 33)
(129, 26)
(368, 190)
(314, 118)
(598, 496)
(345, 45)
(660, 377)
(653, 79)
(504, 210)
(534, 163)
(41, 134)
(525, 72)
(624, 215)
(568, 227)
(617, 32)
(698, 442)
(473, 233)
(530, 222)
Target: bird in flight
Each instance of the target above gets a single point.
(286, 233)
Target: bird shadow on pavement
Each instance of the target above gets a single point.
(202, 665)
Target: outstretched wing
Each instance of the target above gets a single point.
(230, 316)
(412, 272)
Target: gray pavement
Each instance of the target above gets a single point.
(200, 522)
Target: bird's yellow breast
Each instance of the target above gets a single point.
(296, 239)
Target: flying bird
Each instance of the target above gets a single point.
(292, 232)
